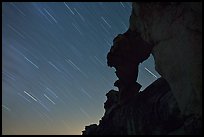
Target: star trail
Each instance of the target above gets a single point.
(54, 72)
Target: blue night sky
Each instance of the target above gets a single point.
(54, 72)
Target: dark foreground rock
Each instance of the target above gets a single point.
(153, 111)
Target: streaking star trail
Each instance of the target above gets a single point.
(54, 68)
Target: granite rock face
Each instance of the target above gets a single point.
(171, 105)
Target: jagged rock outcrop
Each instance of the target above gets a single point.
(172, 32)
(153, 111)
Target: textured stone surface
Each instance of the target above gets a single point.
(175, 30)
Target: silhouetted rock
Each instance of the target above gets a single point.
(171, 105)
(112, 100)
(90, 130)
(127, 52)
(152, 111)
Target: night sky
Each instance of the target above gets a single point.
(54, 71)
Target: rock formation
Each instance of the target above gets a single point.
(127, 52)
(175, 30)
(172, 32)
(153, 111)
